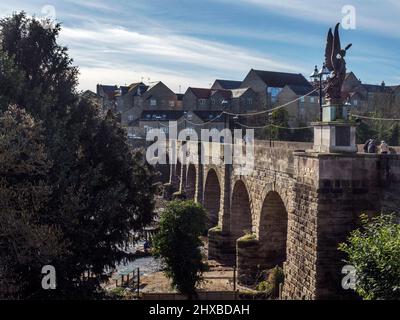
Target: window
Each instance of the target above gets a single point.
(171, 103)
(273, 93)
(249, 101)
(202, 101)
(165, 129)
(303, 99)
(130, 117)
(355, 102)
(213, 101)
(153, 102)
(312, 99)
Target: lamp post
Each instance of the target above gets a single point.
(319, 77)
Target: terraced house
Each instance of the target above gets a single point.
(144, 106)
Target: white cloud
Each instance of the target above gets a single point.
(110, 48)
(375, 16)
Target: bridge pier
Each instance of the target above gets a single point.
(221, 247)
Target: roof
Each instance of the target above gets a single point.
(303, 90)
(108, 88)
(229, 84)
(226, 94)
(281, 79)
(161, 115)
(237, 93)
(210, 115)
(372, 88)
(201, 93)
(123, 90)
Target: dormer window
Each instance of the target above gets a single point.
(153, 102)
(202, 101)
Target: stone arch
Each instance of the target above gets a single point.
(240, 220)
(212, 198)
(273, 230)
(191, 182)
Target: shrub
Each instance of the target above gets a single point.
(374, 251)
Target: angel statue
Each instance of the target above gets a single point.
(334, 61)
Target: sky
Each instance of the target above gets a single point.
(191, 42)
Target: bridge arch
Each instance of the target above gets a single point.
(240, 220)
(212, 198)
(273, 229)
(191, 181)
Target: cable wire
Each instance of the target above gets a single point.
(373, 118)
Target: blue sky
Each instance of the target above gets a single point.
(191, 43)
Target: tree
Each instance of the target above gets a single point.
(365, 132)
(101, 192)
(277, 122)
(374, 251)
(177, 243)
(27, 242)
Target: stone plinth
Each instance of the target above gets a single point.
(335, 137)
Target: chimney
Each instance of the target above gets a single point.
(383, 83)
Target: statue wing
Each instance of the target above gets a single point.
(336, 49)
(328, 51)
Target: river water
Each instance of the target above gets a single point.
(146, 265)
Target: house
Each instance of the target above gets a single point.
(107, 95)
(244, 100)
(159, 97)
(268, 85)
(369, 97)
(196, 99)
(301, 111)
(140, 97)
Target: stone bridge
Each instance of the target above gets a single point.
(292, 210)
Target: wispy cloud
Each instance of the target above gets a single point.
(375, 16)
(110, 47)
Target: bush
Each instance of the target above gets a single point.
(271, 286)
(374, 251)
(178, 244)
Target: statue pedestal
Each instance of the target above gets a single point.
(335, 133)
(335, 137)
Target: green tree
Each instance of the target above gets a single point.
(277, 122)
(365, 132)
(101, 192)
(178, 244)
(374, 251)
(27, 242)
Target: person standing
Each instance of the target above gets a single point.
(384, 147)
(372, 146)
